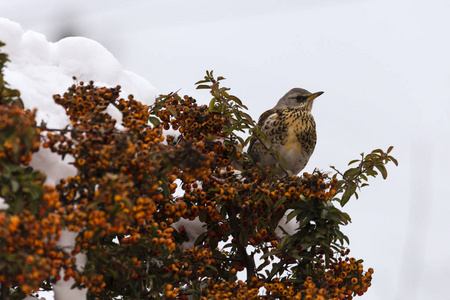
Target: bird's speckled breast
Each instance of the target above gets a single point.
(292, 129)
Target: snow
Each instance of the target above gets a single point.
(194, 228)
(39, 69)
(3, 205)
(62, 288)
(285, 227)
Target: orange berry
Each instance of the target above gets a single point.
(29, 259)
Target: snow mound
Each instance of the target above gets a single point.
(39, 69)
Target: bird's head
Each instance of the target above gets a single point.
(298, 97)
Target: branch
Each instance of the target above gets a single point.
(242, 250)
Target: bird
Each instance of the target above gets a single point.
(290, 130)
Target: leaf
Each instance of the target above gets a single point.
(284, 241)
(372, 173)
(154, 120)
(346, 196)
(351, 172)
(203, 87)
(263, 265)
(238, 116)
(276, 268)
(235, 99)
(382, 170)
(165, 188)
(304, 198)
(345, 218)
(292, 215)
(202, 81)
(297, 257)
(212, 103)
(378, 151)
(352, 162)
(172, 111)
(115, 209)
(347, 240)
(247, 117)
(390, 149)
(14, 186)
(279, 202)
(268, 201)
(200, 238)
(393, 160)
(212, 268)
(202, 214)
(265, 255)
(324, 213)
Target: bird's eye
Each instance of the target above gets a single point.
(300, 97)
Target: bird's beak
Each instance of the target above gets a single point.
(315, 95)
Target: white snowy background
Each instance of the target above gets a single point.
(384, 67)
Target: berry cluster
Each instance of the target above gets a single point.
(28, 243)
(20, 137)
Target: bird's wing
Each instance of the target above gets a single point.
(262, 119)
(265, 115)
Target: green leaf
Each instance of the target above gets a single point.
(284, 241)
(324, 213)
(393, 160)
(346, 196)
(351, 172)
(154, 120)
(165, 188)
(238, 116)
(382, 170)
(345, 218)
(292, 215)
(372, 173)
(202, 214)
(378, 151)
(172, 111)
(304, 198)
(265, 255)
(14, 186)
(211, 267)
(200, 238)
(353, 161)
(212, 103)
(268, 201)
(203, 87)
(235, 99)
(202, 81)
(263, 265)
(279, 202)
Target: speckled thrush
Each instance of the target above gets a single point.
(291, 131)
